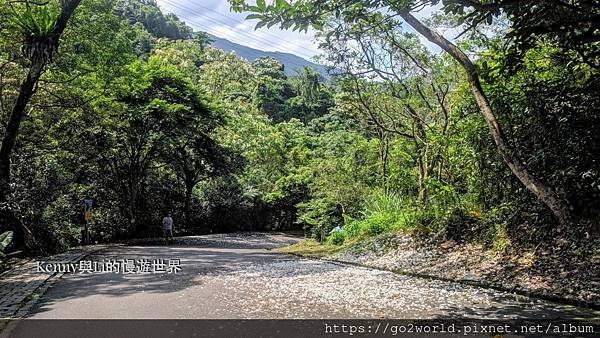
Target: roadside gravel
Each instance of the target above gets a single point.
(549, 274)
(309, 288)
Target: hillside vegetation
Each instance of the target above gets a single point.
(115, 102)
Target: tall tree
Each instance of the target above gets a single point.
(157, 109)
(41, 30)
(410, 98)
(312, 99)
(272, 88)
(303, 14)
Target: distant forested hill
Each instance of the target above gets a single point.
(148, 14)
(292, 63)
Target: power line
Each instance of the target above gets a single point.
(238, 32)
(235, 31)
(236, 22)
(283, 57)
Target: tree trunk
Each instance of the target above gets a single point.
(383, 157)
(131, 213)
(559, 207)
(39, 57)
(422, 197)
(423, 172)
(7, 218)
(421, 149)
(187, 205)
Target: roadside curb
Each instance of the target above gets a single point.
(482, 284)
(28, 300)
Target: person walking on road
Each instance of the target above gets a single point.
(168, 228)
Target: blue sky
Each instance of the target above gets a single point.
(214, 16)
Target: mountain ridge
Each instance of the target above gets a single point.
(292, 63)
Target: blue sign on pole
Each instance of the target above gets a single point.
(88, 203)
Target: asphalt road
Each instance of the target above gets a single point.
(228, 277)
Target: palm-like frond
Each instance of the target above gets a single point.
(35, 21)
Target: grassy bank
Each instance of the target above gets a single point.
(312, 248)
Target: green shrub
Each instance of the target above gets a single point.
(495, 223)
(336, 238)
(384, 212)
(5, 239)
(458, 224)
(501, 241)
(318, 216)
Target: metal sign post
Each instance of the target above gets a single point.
(87, 215)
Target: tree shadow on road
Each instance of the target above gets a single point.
(195, 262)
(199, 264)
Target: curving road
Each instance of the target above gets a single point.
(236, 276)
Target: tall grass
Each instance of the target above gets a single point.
(383, 212)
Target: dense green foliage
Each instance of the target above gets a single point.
(147, 13)
(143, 117)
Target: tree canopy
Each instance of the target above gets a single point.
(491, 137)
